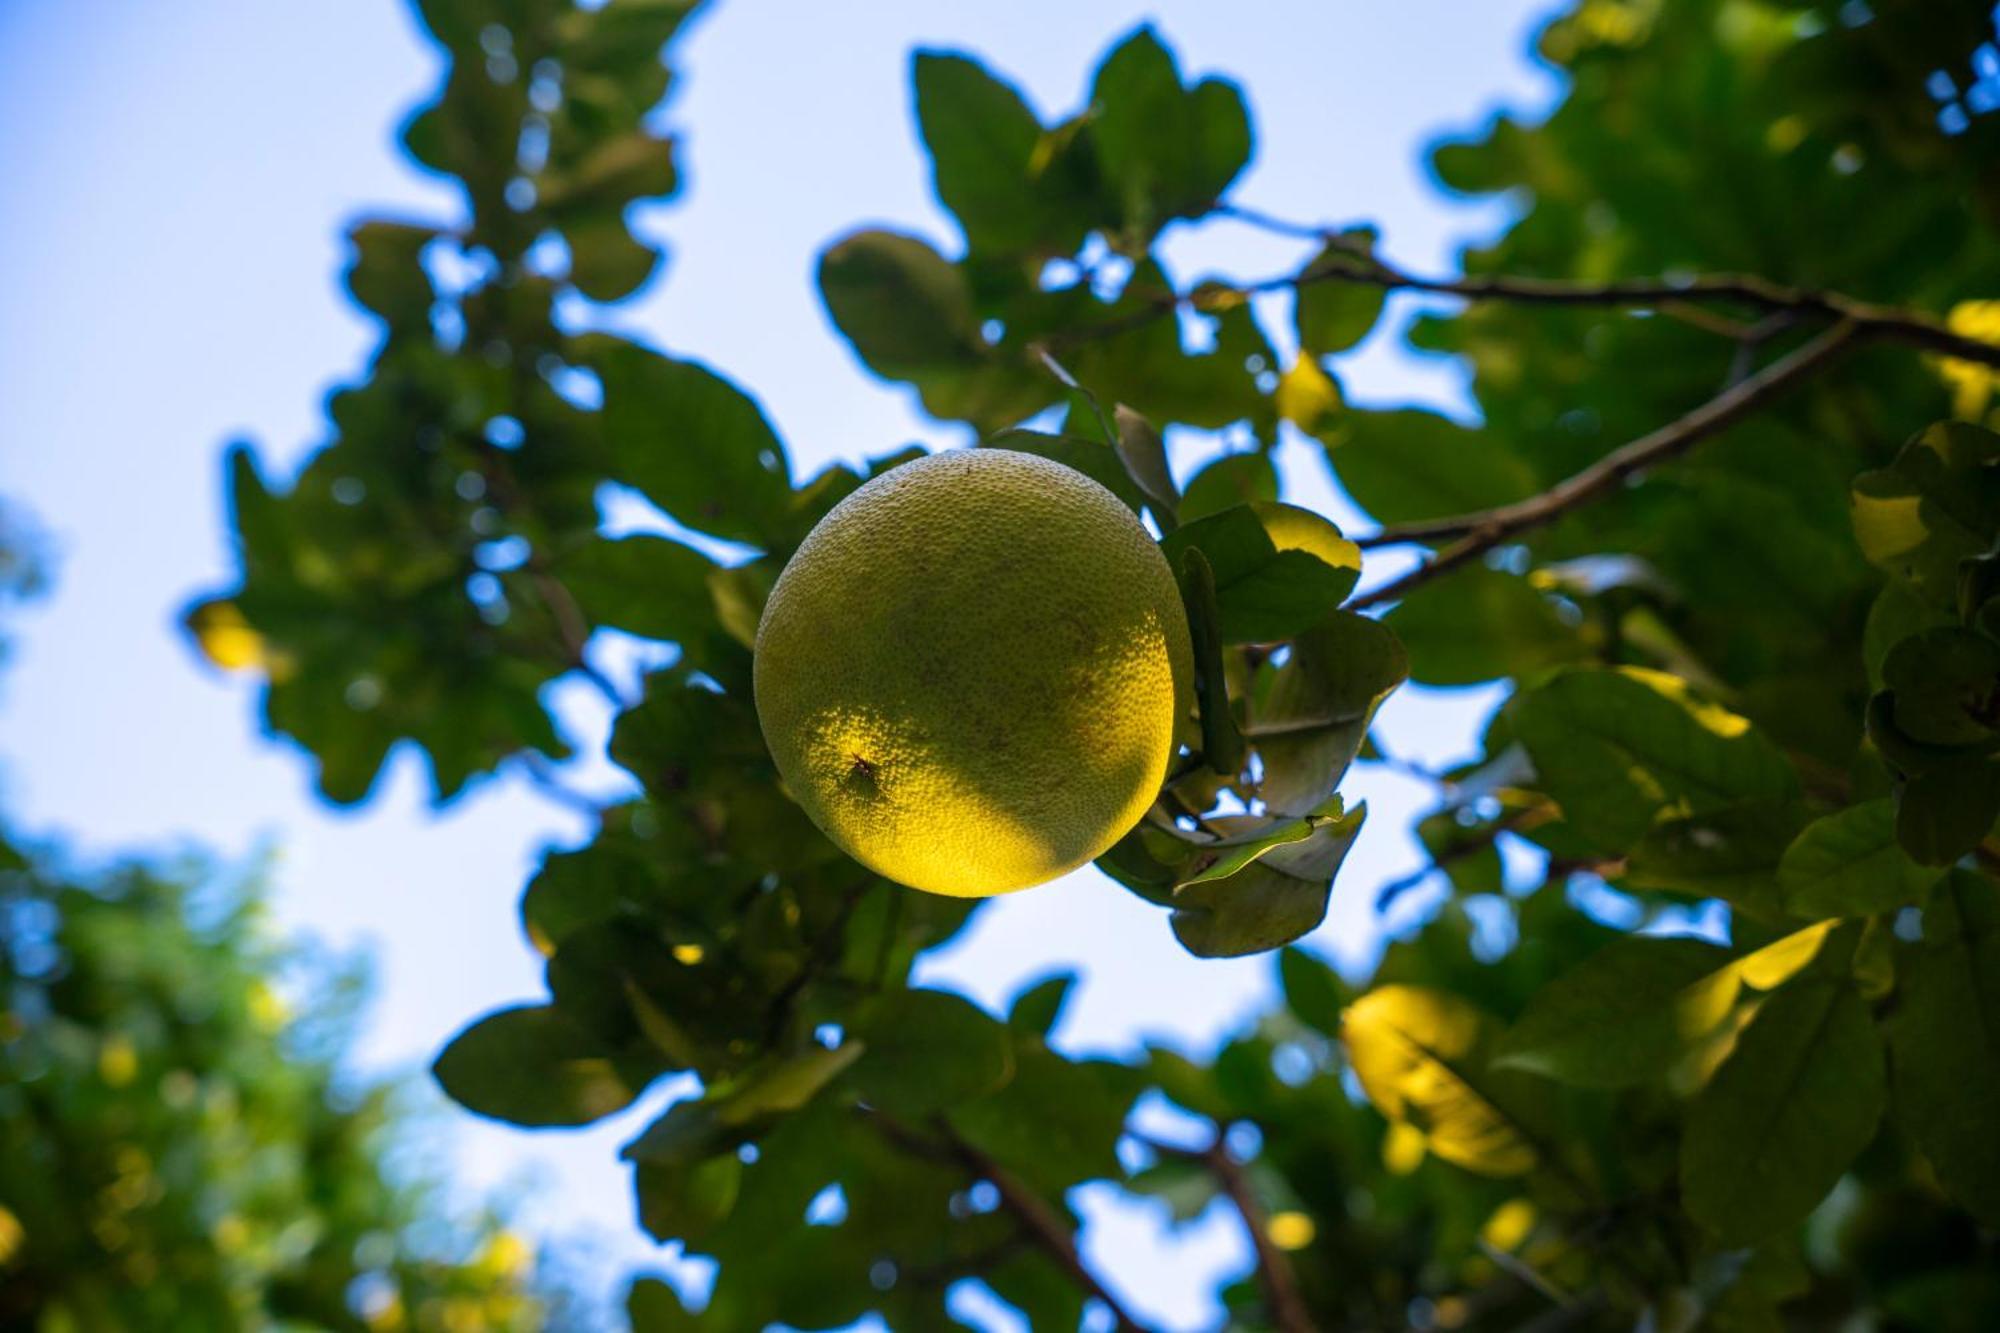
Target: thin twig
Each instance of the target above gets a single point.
(1480, 532)
(1360, 266)
(1274, 1268)
(1044, 1226)
(1524, 1272)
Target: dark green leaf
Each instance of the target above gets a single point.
(387, 274)
(1314, 992)
(1231, 480)
(1039, 1008)
(1167, 151)
(1333, 314)
(1480, 624)
(1144, 455)
(1938, 503)
(606, 261)
(1849, 864)
(1615, 747)
(694, 444)
(649, 586)
(1795, 1101)
(927, 1050)
(1946, 684)
(1945, 1041)
(1944, 813)
(532, 1066)
(905, 308)
(1221, 742)
(1730, 852)
(1623, 1015)
(1278, 569)
(651, 1306)
(1407, 465)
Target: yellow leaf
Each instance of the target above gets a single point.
(12, 1236)
(1290, 1230)
(1403, 1148)
(1781, 960)
(117, 1061)
(1421, 1057)
(1306, 394)
(1972, 384)
(228, 640)
(1509, 1226)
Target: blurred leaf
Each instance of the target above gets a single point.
(654, 1307)
(1945, 1040)
(532, 1066)
(1793, 1104)
(387, 273)
(1402, 466)
(1278, 569)
(1314, 992)
(1056, 1122)
(694, 444)
(928, 1050)
(1039, 1008)
(1731, 852)
(1093, 459)
(1007, 181)
(1946, 685)
(1849, 864)
(1421, 1056)
(1333, 314)
(1168, 151)
(1480, 624)
(1937, 504)
(1624, 1014)
(649, 586)
(1948, 811)
(606, 261)
(684, 1201)
(1231, 480)
(1616, 747)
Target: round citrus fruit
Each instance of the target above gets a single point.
(972, 672)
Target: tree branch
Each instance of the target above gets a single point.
(1043, 1225)
(1480, 532)
(1274, 1268)
(1760, 294)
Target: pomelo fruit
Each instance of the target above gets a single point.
(972, 672)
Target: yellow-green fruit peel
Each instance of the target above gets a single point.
(972, 672)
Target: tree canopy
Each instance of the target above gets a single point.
(1725, 530)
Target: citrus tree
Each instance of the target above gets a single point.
(1724, 532)
(178, 1149)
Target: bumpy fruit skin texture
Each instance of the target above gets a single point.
(972, 672)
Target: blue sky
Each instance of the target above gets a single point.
(177, 177)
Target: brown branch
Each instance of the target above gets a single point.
(1480, 532)
(1676, 296)
(1044, 1226)
(1274, 1268)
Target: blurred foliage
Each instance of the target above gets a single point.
(1757, 680)
(178, 1147)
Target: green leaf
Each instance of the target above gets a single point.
(1406, 465)
(1309, 716)
(1945, 813)
(1093, 458)
(532, 1066)
(1333, 314)
(1167, 151)
(1422, 1058)
(1624, 1014)
(694, 444)
(1009, 183)
(1231, 480)
(1481, 624)
(684, 1201)
(1057, 1122)
(1944, 1041)
(1221, 742)
(1938, 503)
(649, 586)
(927, 1050)
(1264, 887)
(1314, 992)
(1898, 612)
(636, 165)
(1849, 864)
(903, 306)
(1279, 569)
(651, 1306)
(1793, 1104)
(1617, 747)
(1144, 454)
(1730, 852)
(387, 274)
(735, 1110)
(606, 261)
(1946, 684)
(1039, 1008)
